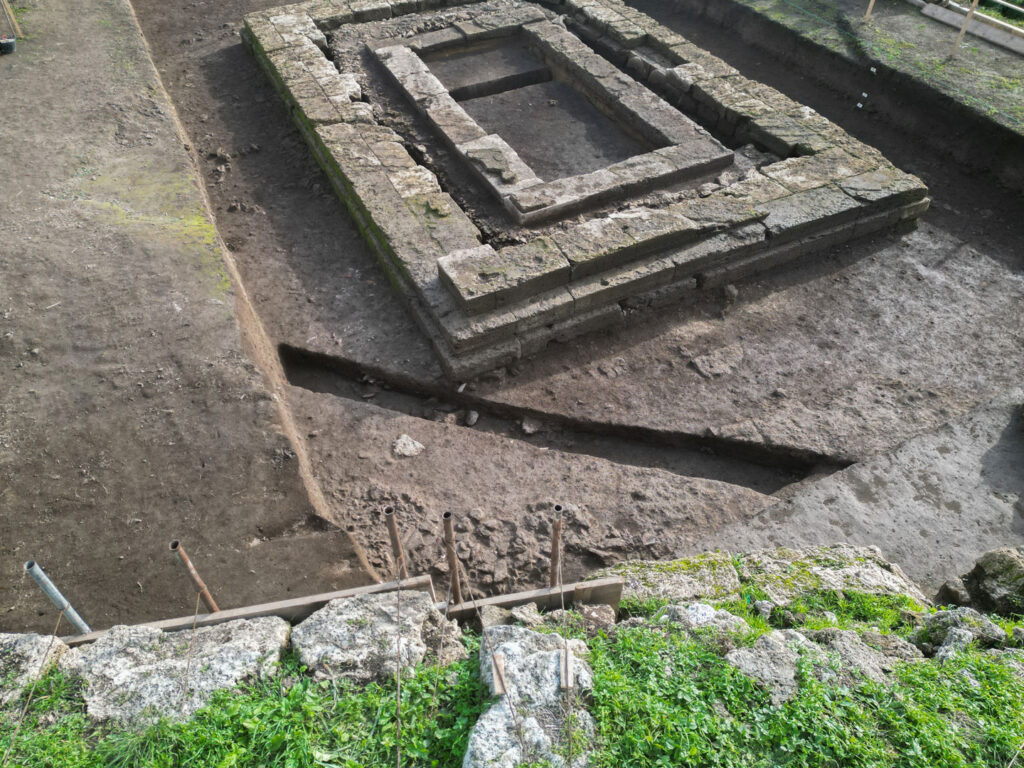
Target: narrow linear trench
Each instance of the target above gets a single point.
(763, 470)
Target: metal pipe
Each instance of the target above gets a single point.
(453, 560)
(554, 577)
(179, 550)
(56, 597)
(396, 543)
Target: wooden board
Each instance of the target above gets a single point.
(295, 609)
(599, 591)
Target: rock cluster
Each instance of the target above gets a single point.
(995, 583)
(136, 675)
(779, 573)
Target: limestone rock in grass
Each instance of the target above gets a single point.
(493, 616)
(855, 655)
(772, 661)
(956, 641)
(698, 616)
(710, 576)
(893, 647)
(536, 727)
(528, 615)
(953, 592)
(135, 675)
(22, 659)
(593, 619)
(358, 638)
(996, 583)
(1012, 658)
(937, 625)
(785, 573)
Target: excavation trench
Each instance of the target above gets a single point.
(767, 471)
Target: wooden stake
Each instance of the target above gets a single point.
(565, 669)
(871, 7)
(453, 559)
(15, 27)
(963, 29)
(498, 674)
(391, 518)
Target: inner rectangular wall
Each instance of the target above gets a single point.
(509, 90)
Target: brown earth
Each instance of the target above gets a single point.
(836, 359)
(130, 411)
(833, 360)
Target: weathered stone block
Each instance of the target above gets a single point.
(800, 174)
(788, 217)
(483, 277)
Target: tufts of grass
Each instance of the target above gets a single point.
(286, 721)
(665, 699)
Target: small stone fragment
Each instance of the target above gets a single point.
(404, 446)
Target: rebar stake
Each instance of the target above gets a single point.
(179, 550)
(396, 543)
(453, 560)
(556, 547)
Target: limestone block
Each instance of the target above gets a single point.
(792, 216)
(362, 638)
(799, 174)
(481, 277)
(537, 715)
(135, 675)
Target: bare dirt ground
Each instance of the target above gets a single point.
(656, 436)
(834, 360)
(129, 412)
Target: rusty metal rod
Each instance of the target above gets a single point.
(554, 577)
(179, 550)
(453, 560)
(396, 543)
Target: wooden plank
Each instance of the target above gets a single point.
(599, 591)
(294, 609)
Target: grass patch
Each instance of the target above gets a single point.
(664, 699)
(286, 721)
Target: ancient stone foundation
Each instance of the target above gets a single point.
(527, 172)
